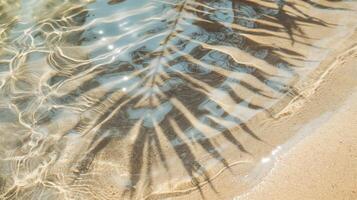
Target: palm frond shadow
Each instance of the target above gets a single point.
(178, 50)
(183, 58)
(185, 79)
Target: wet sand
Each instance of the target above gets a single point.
(319, 161)
(87, 115)
(322, 165)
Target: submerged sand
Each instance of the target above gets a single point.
(74, 130)
(319, 161)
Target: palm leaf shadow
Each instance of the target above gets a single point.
(175, 80)
(175, 51)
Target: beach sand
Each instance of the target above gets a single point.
(319, 161)
(294, 142)
(283, 164)
(322, 165)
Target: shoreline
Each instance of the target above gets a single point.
(313, 125)
(322, 165)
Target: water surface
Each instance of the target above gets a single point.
(126, 99)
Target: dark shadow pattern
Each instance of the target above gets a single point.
(182, 76)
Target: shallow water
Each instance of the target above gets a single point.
(142, 99)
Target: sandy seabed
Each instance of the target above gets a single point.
(302, 145)
(320, 160)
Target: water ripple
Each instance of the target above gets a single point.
(124, 91)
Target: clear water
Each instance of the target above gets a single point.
(122, 99)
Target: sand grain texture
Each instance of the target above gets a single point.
(159, 99)
(320, 160)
